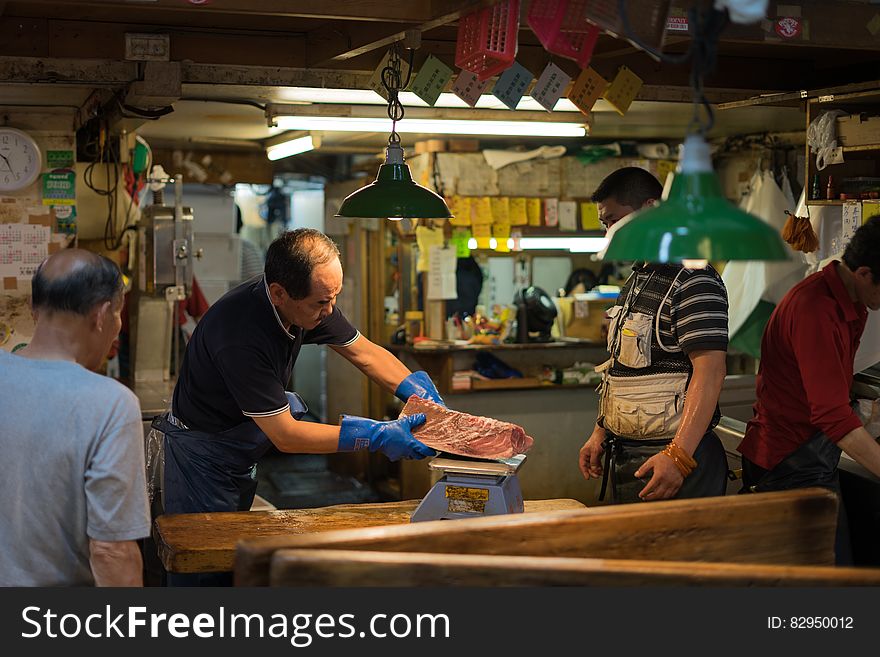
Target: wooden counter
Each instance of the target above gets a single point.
(205, 542)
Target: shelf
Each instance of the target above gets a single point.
(862, 147)
(855, 200)
(500, 388)
(567, 344)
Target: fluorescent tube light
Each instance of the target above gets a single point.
(290, 147)
(573, 244)
(433, 126)
(409, 99)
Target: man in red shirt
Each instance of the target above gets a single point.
(803, 417)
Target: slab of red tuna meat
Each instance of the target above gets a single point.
(466, 435)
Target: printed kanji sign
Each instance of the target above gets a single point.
(431, 80)
(512, 85)
(623, 89)
(587, 89)
(469, 88)
(550, 86)
(376, 79)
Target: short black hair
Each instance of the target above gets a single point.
(93, 281)
(632, 186)
(291, 259)
(863, 249)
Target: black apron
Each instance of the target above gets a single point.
(206, 472)
(623, 457)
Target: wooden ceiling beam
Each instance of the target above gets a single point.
(411, 11)
(367, 45)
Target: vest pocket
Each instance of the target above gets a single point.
(635, 341)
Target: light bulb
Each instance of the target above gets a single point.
(472, 243)
(510, 243)
(493, 243)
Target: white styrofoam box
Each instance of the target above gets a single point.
(213, 208)
(213, 290)
(221, 260)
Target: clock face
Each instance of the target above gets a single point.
(20, 160)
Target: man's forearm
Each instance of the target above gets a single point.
(297, 437)
(701, 399)
(376, 362)
(116, 563)
(863, 448)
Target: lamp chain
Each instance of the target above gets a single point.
(391, 82)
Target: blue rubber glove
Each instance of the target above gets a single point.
(420, 385)
(394, 439)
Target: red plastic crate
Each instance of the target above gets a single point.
(562, 28)
(487, 39)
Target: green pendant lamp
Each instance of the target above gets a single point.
(695, 222)
(394, 195)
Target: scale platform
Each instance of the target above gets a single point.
(472, 488)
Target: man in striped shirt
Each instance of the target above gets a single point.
(692, 332)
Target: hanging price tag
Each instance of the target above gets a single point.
(550, 86)
(469, 88)
(590, 216)
(587, 89)
(481, 210)
(501, 210)
(533, 211)
(512, 84)
(431, 80)
(501, 233)
(375, 82)
(567, 215)
(623, 89)
(460, 206)
(551, 211)
(518, 216)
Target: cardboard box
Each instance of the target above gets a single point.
(858, 130)
(585, 318)
(430, 146)
(464, 145)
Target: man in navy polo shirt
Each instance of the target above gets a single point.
(230, 403)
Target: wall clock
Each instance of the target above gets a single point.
(20, 159)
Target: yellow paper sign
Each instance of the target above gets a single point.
(590, 216)
(533, 211)
(501, 233)
(869, 210)
(500, 210)
(587, 89)
(664, 168)
(481, 210)
(460, 206)
(518, 216)
(623, 89)
(425, 239)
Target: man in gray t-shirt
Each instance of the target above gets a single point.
(73, 494)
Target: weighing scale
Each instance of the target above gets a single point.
(472, 488)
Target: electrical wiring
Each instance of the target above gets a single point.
(707, 25)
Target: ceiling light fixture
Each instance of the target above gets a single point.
(434, 126)
(290, 147)
(394, 194)
(323, 95)
(572, 244)
(695, 222)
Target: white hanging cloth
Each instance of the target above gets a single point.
(750, 281)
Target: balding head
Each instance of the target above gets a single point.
(75, 281)
(292, 259)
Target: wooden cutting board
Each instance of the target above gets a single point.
(205, 542)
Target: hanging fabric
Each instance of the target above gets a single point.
(751, 282)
